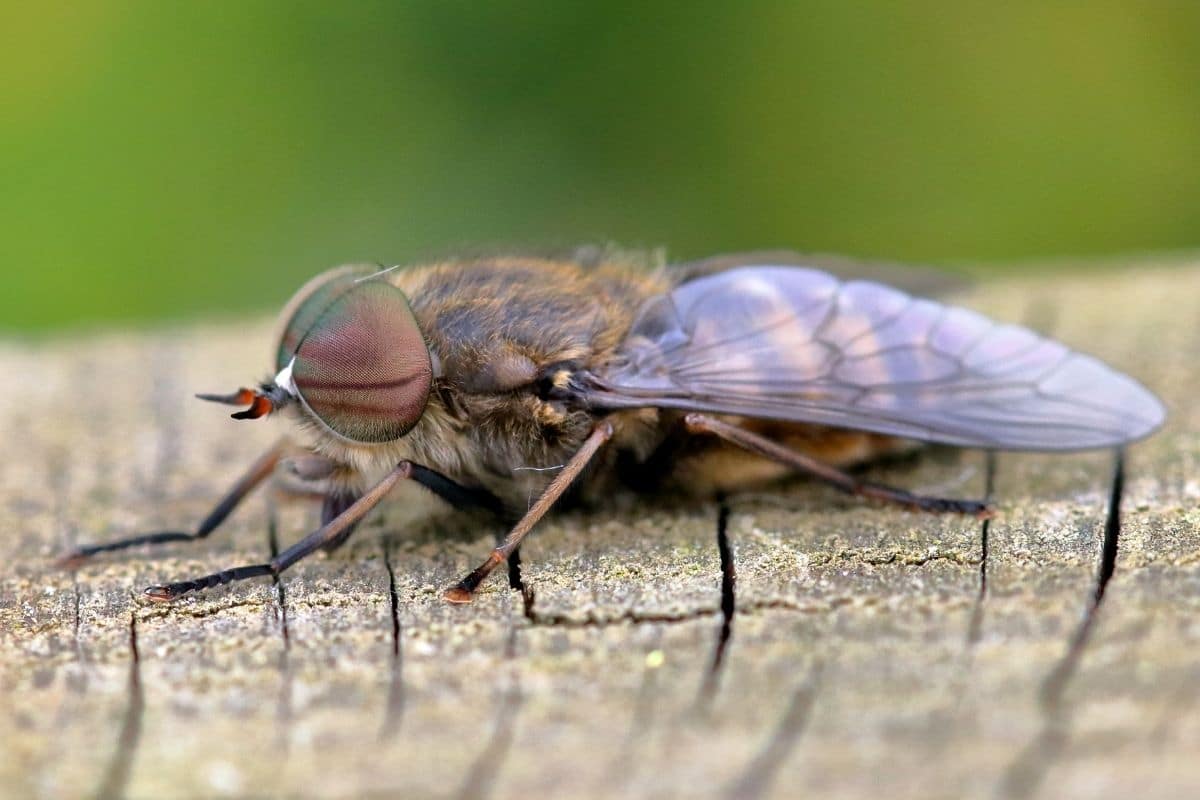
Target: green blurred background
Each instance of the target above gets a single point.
(164, 159)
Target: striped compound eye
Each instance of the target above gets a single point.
(363, 368)
(302, 312)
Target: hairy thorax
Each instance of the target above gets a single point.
(504, 334)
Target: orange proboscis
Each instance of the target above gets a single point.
(260, 406)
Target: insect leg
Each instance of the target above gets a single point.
(259, 471)
(464, 498)
(305, 547)
(333, 506)
(463, 591)
(734, 434)
(461, 498)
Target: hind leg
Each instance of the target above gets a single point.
(767, 448)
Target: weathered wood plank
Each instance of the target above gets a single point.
(861, 660)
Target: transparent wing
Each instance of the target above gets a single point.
(798, 344)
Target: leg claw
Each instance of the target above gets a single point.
(159, 594)
(458, 595)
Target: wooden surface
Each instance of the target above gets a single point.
(861, 662)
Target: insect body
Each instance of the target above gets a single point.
(493, 381)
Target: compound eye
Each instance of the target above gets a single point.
(363, 367)
(303, 310)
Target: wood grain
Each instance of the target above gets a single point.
(861, 660)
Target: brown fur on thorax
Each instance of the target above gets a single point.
(496, 327)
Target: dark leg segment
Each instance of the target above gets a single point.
(259, 471)
(701, 423)
(333, 506)
(341, 513)
(464, 590)
(328, 532)
(462, 498)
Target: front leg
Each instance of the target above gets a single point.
(258, 472)
(332, 531)
(464, 590)
(457, 496)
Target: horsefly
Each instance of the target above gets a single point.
(511, 383)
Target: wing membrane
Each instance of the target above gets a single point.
(797, 344)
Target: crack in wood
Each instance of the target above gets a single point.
(963, 677)
(194, 609)
(712, 677)
(1056, 682)
(79, 677)
(394, 711)
(975, 629)
(1025, 774)
(284, 710)
(76, 617)
(60, 487)
(633, 617)
(872, 557)
(116, 775)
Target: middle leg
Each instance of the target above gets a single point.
(332, 531)
(464, 590)
(454, 494)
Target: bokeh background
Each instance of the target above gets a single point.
(168, 159)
